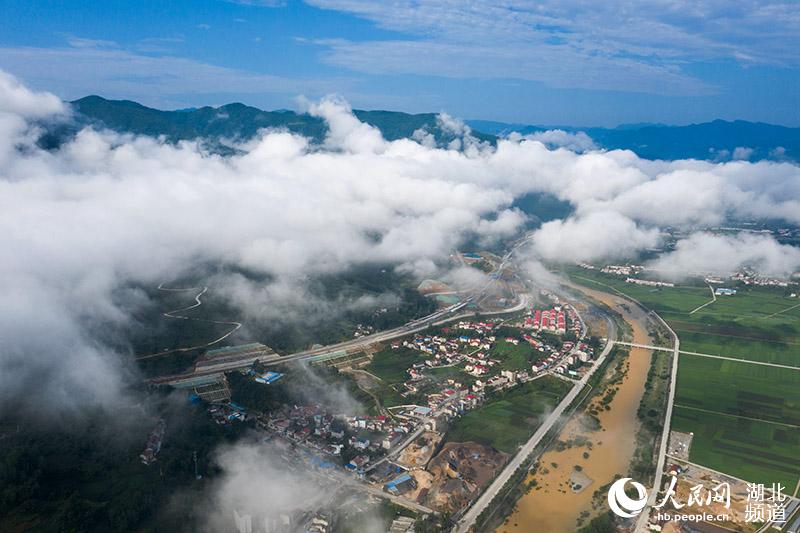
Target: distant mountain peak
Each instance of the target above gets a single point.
(716, 140)
(242, 121)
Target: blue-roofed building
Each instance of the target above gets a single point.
(401, 484)
(269, 377)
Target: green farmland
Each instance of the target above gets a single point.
(507, 420)
(745, 417)
(519, 357)
(739, 389)
(763, 350)
(753, 451)
(392, 365)
(757, 324)
(663, 300)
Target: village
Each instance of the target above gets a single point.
(403, 451)
(744, 276)
(479, 346)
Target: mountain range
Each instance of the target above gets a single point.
(717, 141)
(241, 122)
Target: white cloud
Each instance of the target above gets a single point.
(155, 80)
(21, 101)
(83, 224)
(108, 210)
(705, 253)
(742, 152)
(576, 142)
(254, 483)
(598, 235)
(640, 47)
(345, 131)
(505, 225)
(679, 197)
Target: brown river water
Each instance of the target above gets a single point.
(554, 507)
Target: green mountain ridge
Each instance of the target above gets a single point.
(240, 121)
(714, 141)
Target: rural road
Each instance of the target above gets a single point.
(441, 316)
(197, 303)
(641, 523)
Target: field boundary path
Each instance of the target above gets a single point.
(720, 413)
(781, 311)
(709, 355)
(738, 360)
(713, 299)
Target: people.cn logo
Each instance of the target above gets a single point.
(621, 503)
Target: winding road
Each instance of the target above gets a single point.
(174, 314)
(448, 314)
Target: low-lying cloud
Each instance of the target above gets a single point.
(577, 142)
(703, 253)
(106, 211)
(255, 484)
(599, 234)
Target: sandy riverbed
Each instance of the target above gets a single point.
(554, 507)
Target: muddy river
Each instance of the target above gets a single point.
(553, 507)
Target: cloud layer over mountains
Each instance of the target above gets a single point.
(107, 212)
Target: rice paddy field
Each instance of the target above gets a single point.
(745, 417)
(756, 324)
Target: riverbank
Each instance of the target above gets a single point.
(594, 446)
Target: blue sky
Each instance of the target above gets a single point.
(550, 62)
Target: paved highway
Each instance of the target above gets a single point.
(469, 518)
(441, 316)
(641, 523)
